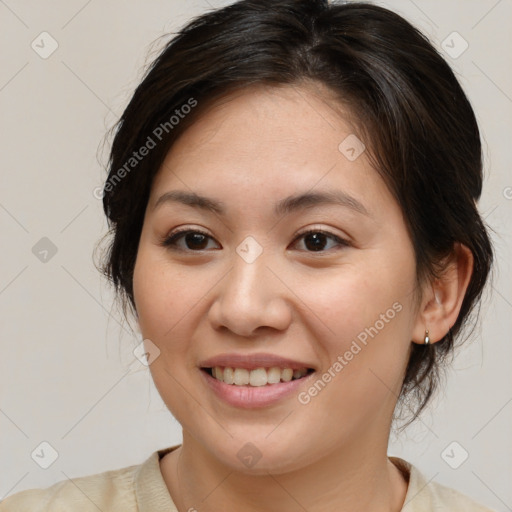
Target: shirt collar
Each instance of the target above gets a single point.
(151, 490)
(417, 497)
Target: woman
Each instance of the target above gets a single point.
(292, 195)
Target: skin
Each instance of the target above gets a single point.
(251, 150)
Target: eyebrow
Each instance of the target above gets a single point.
(283, 207)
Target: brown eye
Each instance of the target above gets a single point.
(315, 240)
(194, 240)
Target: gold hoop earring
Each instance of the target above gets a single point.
(426, 340)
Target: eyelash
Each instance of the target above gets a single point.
(170, 241)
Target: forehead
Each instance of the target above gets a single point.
(270, 140)
(281, 115)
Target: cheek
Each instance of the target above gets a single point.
(162, 294)
(367, 311)
(359, 297)
(163, 306)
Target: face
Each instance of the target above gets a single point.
(257, 278)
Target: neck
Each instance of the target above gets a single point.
(352, 479)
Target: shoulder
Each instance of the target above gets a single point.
(111, 490)
(446, 498)
(423, 494)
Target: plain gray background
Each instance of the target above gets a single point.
(68, 376)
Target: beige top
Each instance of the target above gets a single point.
(141, 488)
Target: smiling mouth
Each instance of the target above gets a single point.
(258, 377)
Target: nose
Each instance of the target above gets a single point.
(250, 297)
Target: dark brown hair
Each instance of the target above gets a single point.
(410, 110)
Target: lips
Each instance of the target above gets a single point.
(254, 397)
(250, 381)
(253, 361)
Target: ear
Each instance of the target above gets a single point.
(442, 298)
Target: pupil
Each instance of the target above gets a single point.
(195, 239)
(318, 239)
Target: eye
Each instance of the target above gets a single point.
(194, 240)
(315, 240)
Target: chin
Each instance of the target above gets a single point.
(261, 456)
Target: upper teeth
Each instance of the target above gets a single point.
(257, 377)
